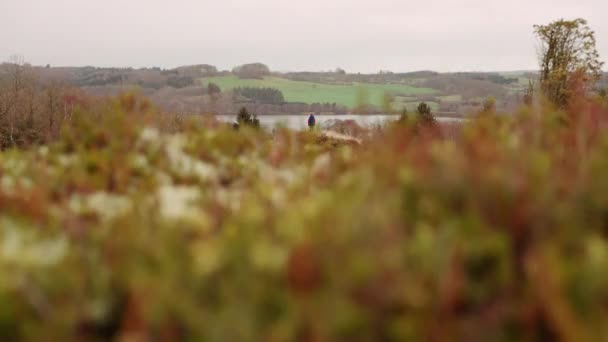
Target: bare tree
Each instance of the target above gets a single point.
(16, 103)
(29, 113)
(53, 108)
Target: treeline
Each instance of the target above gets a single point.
(31, 113)
(35, 111)
(492, 77)
(261, 95)
(154, 78)
(341, 77)
(251, 71)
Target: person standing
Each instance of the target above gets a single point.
(311, 121)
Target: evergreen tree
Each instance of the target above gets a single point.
(424, 113)
(244, 118)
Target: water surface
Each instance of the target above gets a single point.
(299, 121)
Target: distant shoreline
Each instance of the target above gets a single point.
(437, 115)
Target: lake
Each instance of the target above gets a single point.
(299, 121)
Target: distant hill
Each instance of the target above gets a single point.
(185, 88)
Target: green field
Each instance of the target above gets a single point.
(308, 92)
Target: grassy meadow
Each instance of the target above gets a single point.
(309, 92)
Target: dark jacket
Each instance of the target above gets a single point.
(311, 120)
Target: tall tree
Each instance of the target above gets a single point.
(18, 104)
(567, 47)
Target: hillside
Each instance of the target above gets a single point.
(350, 95)
(186, 89)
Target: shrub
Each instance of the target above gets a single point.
(244, 118)
(213, 89)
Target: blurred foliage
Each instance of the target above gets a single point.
(494, 229)
(489, 105)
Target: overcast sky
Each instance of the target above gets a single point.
(357, 35)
